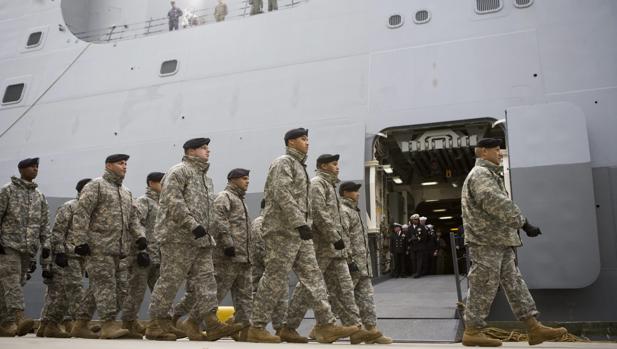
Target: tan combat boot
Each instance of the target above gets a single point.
(24, 324)
(68, 325)
(364, 335)
(538, 333)
(175, 318)
(53, 330)
(312, 334)
(217, 330)
(329, 333)
(191, 328)
(170, 328)
(156, 332)
(381, 340)
(290, 335)
(133, 328)
(8, 329)
(473, 337)
(111, 330)
(261, 335)
(80, 330)
(40, 332)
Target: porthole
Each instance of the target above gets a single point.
(522, 3)
(13, 93)
(169, 67)
(422, 16)
(34, 39)
(395, 21)
(488, 6)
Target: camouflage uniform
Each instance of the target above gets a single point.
(258, 253)
(327, 229)
(357, 233)
(174, 17)
(64, 290)
(220, 11)
(287, 207)
(140, 277)
(105, 217)
(231, 227)
(184, 205)
(491, 221)
(24, 226)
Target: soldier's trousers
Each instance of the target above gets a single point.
(13, 265)
(492, 266)
(285, 251)
(339, 285)
(364, 295)
(279, 315)
(235, 277)
(104, 293)
(64, 292)
(138, 279)
(178, 261)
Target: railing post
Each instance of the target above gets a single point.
(457, 279)
(149, 26)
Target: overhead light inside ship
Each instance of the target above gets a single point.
(431, 200)
(445, 218)
(397, 180)
(388, 169)
(439, 210)
(429, 183)
(453, 229)
(454, 184)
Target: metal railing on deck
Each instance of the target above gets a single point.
(459, 255)
(191, 18)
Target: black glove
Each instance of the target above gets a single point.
(199, 232)
(143, 259)
(141, 243)
(305, 232)
(61, 260)
(47, 274)
(86, 274)
(230, 251)
(353, 267)
(2, 250)
(28, 276)
(339, 245)
(82, 250)
(32, 267)
(45, 252)
(531, 230)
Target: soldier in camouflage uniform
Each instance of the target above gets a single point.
(331, 252)
(64, 289)
(287, 236)
(105, 227)
(143, 267)
(356, 233)
(24, 227)
(491, 221)
(232, 255)
(183, 225)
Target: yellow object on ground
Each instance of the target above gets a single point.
(225, 313)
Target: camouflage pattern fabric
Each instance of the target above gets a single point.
(231, 226)
(148, 208)
(491, 267)
(325, 208)
(365, 299)
(64, 292)
(62, 228)
(356, 232)
(11, 271)
(235, 277)
(220, 11)
(104, 291)
(138, 279)
(490, 218)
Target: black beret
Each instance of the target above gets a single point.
(28, 162)
(348, 186)
(237, 173)
(195, 143)
(116, 158)
(295, 133)
(326, 158)
(489, 143)
(81, 184)
(154, 177)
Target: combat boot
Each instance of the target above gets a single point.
(80, 330)
(156, 332)
(24, 324)
(290, 335)
(191, 328)
(261, 335)
(53, 330)
(40, 332)
(8, 329)
(170, 328)
(111, 330)
(312, 334)
(133, 329)
(381, 340)
(364, 335)
(175, 318)
(217, 330)
(538, 333)
(329, 333)
(473, 337)
(68, 325)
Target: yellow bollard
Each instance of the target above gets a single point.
(225, 313)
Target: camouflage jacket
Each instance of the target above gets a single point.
(257, 247)
(489, 216)
(185, 203)
(63, 225)
(24, 217)
(357, 234)
(326, 209)
(148, 207)
(231, 224)
(106, 217)
(287, 195)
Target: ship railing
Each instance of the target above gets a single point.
(460, 260)
(191, 18)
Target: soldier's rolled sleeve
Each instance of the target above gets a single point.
(284, 197)
(173, 198)
(81, 219)
(496, 203)
(59, 229)
(322, 218)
